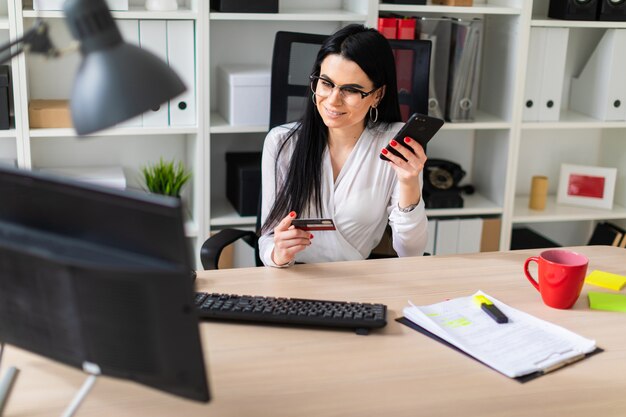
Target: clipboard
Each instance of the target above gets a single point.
(520, 379)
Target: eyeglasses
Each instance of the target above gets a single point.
(350, 95)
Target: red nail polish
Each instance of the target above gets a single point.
(385, 151)
(292, 214)
(310, 236)
(407, 139)
(393, 143)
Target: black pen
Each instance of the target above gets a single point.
(488, 307)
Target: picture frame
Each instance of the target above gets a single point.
(587, 186)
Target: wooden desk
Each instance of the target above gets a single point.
(274, 371)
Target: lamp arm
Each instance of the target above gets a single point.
(35, 40)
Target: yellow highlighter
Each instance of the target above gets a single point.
(488, 307)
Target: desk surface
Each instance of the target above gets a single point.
(278, 371)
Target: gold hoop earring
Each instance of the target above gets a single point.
(374, 118)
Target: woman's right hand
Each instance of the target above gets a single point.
(288, 240)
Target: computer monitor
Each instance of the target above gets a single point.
(99, 276)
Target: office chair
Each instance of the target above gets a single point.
(292, 61)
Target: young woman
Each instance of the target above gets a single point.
(328, 165)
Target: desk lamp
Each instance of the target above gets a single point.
(115, 81)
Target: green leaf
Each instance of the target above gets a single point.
(166, 177)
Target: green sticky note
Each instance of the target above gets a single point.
(606, 280)
(605, 301)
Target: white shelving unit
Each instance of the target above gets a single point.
(132, 148)
(499, 151)
(575, 138)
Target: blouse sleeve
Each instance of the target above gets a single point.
(409, 230)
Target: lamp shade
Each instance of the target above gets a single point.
(115, 80)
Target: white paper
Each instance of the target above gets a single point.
(522, 346)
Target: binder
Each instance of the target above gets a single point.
(470, 235)
(181, 57)
(553, 73)
(405, 63)
(464, 70)
(437, 30)
(153, 38)
(600, 89)
(129, 29)
(388, 27)
(606, 233)
(534, 73)
(446, 237)
(432, 237)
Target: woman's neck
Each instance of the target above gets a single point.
(340, 145)
(344, 137)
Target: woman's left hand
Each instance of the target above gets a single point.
(408, 172)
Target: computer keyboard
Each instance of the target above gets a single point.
(295, 311)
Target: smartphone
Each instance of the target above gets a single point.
(314, 224)
(420, 128)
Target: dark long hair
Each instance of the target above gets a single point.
(303, 183)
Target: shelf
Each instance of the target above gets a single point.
(223, 214)
(4, 23)
(220, 125)
(308, 15)
(448, 10)
(547, 22)
(559, 212)
(571, 119)
(134, 12)
(474, 205)
(482, 121)
(10, 133)
(122, 131)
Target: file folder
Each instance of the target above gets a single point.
(129, 29)
(600, 89)
(553, 73)
(437, 31)
(464, 71)
(153, 38)
(447, 235)
(405, 68)
(470, 235)
(534, 73)
(182, 58)
(432, 237)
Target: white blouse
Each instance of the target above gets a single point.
(361, 201)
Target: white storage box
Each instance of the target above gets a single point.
(58, 4)
(244, 94)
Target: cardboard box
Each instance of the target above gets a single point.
(49, 114)
(58, 4)
(244, 94)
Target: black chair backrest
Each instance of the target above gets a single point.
(292, 62)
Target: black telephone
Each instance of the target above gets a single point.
(441, 184)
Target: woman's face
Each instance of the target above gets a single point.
(345, 109)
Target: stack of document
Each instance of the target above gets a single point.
(525, 345)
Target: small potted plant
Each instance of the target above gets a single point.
(166, 177)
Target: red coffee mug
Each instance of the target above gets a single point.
(561, 276)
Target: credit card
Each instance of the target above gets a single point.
(314, 224)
